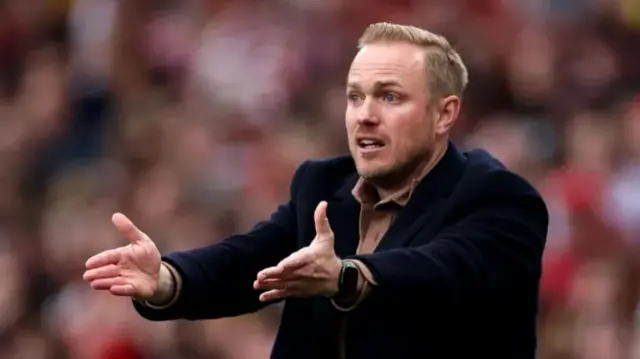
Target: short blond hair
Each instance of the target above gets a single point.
(446, 71)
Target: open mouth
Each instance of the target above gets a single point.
(370, 144)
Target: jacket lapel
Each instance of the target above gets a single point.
(343, 212)
(426, 203)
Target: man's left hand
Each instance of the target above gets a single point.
(311, 271)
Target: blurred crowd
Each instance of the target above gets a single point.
(190, 117)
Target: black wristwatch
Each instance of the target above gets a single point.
(348, 283)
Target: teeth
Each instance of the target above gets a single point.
(369, 143)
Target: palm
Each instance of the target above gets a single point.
(143, 259)
(141, 265)
(131, 270)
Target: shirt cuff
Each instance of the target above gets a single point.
(177, 280)
(365, 283)
(364, 270)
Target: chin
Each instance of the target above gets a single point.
(372, 172)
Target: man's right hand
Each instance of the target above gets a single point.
(133, 270)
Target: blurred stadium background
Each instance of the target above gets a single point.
(190, 117)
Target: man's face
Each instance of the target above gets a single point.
(390, 126)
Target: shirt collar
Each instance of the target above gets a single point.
(366, 193)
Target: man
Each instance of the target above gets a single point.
(408, 248)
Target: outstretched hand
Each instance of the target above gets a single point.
(132, 270)
(311, 271)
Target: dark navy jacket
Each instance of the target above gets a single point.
(457, 272)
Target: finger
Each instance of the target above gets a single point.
(108, 271)
(295, 261)
(124, 290)
(111, 256)
(287, 266)
(322, 222)
(107, 283)
(128, 229)
(271, 272)
(275, 294)
(274, 284)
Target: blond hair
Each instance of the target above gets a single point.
(446, 71)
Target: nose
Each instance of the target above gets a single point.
(367, 114)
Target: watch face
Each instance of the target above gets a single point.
(350, 280)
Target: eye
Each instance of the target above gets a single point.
(353, 97)
(390, 97)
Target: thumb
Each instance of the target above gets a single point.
(128, 229)
(322, 222)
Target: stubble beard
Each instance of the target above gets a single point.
(400, 172)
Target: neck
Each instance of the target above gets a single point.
(414, 171)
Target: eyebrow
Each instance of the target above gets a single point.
(377, 84)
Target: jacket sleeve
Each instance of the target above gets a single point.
(493, 249)
(217, 280)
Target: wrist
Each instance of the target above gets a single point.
(336, 276)
(166, 287)
(348, 282)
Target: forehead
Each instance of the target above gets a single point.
(386, 62)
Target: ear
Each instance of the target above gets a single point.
(449, 108)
